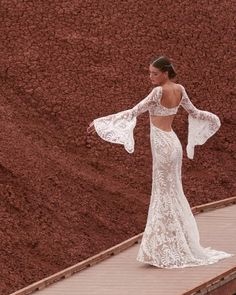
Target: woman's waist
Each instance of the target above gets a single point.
(162, 122)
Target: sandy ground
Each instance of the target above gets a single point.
(67, 195)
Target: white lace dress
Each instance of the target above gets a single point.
(171, 236)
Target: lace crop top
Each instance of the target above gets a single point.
(152, 101)
(118, 127)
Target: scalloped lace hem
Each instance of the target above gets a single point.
(190, 264)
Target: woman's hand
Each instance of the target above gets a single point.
(91, 128)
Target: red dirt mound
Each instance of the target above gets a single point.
(66, 195)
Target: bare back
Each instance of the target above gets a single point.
(171, 97)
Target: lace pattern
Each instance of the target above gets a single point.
(201, 124)
(118, 127)
(152, 103)
(171, 237)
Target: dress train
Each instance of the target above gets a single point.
(171, 236)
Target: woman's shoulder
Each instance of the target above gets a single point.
(177, 86)
(180, 86)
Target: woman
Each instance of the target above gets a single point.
(171, 237)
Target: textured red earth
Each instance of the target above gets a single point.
(65, 194)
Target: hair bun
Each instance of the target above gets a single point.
(170, 65)
(164, 64)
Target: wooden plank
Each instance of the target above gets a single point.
(214, 283)
(66, 273)
(213, 205)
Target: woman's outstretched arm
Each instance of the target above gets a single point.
(202, 124)
(118, 127)
(147, 102)
(141, 107)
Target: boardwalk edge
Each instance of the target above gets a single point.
(39, 285)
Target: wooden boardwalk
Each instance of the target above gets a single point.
(121, 274)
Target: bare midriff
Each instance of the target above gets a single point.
(163, 122)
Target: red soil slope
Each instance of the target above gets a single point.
(66, 195)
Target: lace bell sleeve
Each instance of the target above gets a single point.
(201, 124)
(148, 102)
(118, 127)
